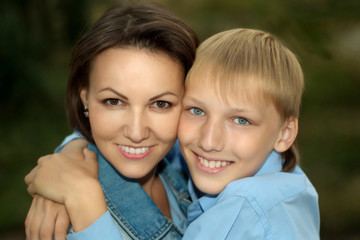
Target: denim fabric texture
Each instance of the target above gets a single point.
(134, 211)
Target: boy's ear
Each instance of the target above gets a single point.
(83, 96)
(287, 135)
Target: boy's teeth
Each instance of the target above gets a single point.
(132, 150)
(213, 164)
(206, 163)
(223, 164)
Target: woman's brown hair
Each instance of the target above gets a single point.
(144, 26)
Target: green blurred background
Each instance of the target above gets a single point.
(37, 37)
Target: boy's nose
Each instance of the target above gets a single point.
(212, 137)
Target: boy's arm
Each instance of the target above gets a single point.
(74, 148)
(103, 228)
(70, 181)
(72, 142)
(47, 218)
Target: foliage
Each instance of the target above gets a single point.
(36, 41)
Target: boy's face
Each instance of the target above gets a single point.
(225, 140)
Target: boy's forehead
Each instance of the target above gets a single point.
(229, 88)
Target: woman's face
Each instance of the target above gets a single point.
(134, 102)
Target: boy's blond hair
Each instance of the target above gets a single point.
(235, 59)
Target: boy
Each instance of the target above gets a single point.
(237, 134)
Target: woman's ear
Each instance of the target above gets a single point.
(287, 135)
(84, 97)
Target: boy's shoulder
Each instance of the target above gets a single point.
(270, 189)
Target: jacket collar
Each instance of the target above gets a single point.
(133, 208)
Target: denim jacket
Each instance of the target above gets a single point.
(136, 214)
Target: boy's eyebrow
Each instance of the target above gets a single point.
(114, 91)
(231, 109)
(162, 94)
(194, 100)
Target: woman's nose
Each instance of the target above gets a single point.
(137, 128)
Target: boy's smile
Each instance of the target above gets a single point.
(224, 140)
(211, 166)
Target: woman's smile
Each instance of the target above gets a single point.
(134, 153)
(134, 102)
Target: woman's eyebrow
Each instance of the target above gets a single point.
(162, 94)
(114, 91)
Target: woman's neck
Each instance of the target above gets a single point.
(154, 187)
(147, 182)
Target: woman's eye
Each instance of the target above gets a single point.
(196, 111)
(161, 104)
(241, 121)
(113, 102)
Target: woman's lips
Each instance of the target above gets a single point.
(134, 153)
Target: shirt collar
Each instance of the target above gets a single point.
(273, 163)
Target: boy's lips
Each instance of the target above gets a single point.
(211, 166)
(134, 153)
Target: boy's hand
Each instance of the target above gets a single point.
(56, 176)
(46, 219)
(70, 182)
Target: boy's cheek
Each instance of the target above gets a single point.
(186, 128)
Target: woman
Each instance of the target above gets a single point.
(124, 96)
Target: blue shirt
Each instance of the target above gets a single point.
(269, 205)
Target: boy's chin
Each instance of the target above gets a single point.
(208, 187)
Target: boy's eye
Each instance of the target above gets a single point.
(161, 104)
(241, 121)
(196, 111)
(113, 102)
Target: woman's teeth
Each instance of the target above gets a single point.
(132, 150)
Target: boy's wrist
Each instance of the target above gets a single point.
(86, 206)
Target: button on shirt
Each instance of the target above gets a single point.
(269, 205)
